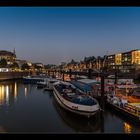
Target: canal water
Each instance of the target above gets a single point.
(26, 109)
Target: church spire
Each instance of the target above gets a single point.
(14, 51)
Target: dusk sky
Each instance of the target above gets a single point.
(52, 35)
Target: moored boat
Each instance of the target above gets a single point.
(73, 99)
(132, 110)
(49, 84)
(89, 86)
(33, 79)
(41, 84)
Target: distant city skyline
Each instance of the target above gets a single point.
(52, 35)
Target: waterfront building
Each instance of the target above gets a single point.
(136, 58)
(110, 62)
(8, 56)
(82, 65)
(125, 62)
(20, 62)
(118, 60)
(99, 63)
(71, 65)
(38, 67)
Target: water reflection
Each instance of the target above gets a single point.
(50, 93)
(25, 92)
(27, 89)
(7, 95)
(15, 91)
(2, 130)
(1, 94)
(127, 128)
(79, 123)
(41, 113)
(127, 124)
(8, 90)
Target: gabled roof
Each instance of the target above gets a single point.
(3, 52)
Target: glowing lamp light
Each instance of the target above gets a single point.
(4, 69)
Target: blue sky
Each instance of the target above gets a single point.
(59, 34)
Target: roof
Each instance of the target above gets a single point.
(87, 81)
(3, 52)
(82, 86)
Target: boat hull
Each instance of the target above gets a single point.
(123, 111)
(62, 102)
(27, 80)
(48, 89)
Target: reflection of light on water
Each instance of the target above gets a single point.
(15, 91)
(5, 91)
(1, 94)
(2, 130)
(25, 92)
(127, 128)
(7, 95)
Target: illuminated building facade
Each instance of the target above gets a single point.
(110, 61)
(118, 59)
(126, 62)
(136, 59)
(8, 56)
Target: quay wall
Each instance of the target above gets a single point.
(12, 75)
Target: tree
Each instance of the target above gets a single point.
(25, 66)
(3, 63)
(37, 67)
(14, 65)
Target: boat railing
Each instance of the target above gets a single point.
(67, 90)
(132, 109)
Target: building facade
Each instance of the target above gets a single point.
(8, 56)
(125, 62)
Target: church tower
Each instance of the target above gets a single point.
(14, 51)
